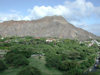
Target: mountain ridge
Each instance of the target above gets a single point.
(49, 26)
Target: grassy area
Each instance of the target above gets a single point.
(11, 71)
(40, 64)
(36, 62)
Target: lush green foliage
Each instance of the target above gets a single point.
(93, 73)
(16, 60)
(26, 53)
(67, 56)
(29, 71)
(2, 66)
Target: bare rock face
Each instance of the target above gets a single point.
(50, 26)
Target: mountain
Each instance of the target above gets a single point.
(50, 26)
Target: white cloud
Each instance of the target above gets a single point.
(7, 17)
(77, 9)
(41, 11)
(74, 12)
(70, 10)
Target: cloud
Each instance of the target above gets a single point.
(74, 11)
(41, 11)
(12, 15)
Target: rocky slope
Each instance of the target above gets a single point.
(50, 26)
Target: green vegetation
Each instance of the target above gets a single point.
(93, 73)
(63, 57)
(29, 71)
(2, 66)
(39, 63)
(16, 59)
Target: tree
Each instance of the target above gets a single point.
(16, 59)
(93, 73)
(74, 71)
(20, 60)
(26, 53)
(29, 70)
(52, 60)
(9, 58)
(67, 65)
(2, 66)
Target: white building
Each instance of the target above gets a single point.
(50, 40)
(94, 42)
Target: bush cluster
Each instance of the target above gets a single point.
(16, 60)
(2, 66)
(29, 70)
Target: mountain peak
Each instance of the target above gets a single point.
(54, 17)
(49, 26)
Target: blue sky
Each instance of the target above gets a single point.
(82, 13)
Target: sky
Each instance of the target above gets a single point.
(81, 13)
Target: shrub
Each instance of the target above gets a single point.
(2, 66)
(20, 60)
(93, 73)
(27, 53)
(29, 71)
(16, 59)
(67, 65)
(9, 58)
(74, 71)
(53, 60)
